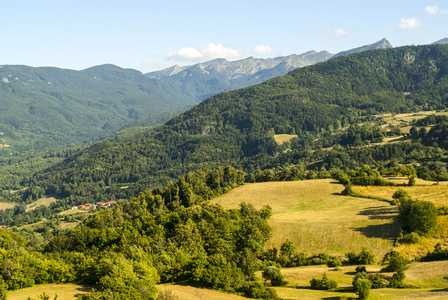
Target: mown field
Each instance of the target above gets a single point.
(423, 190)
(317, 218)
(63, 291)
(429, 277)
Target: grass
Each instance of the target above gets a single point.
(64, 292)
(283, 138)
(317, 218)
(6, 205)
(41, 201)
(429, 277)
(192, 293)
(427, 191)
(436, 194)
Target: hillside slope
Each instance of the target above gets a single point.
(48, 107)
(237, 128)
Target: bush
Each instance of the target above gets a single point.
(273, 274)
(397, 263)
(324, 283)
(409, 238)
(334, 262)
(257, 290)
(362, 287)
(365, 257)
(397, 280)
(360, 269)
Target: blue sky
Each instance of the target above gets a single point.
(152, 35)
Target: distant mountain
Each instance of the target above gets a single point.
(49, 107)
(442, 41)
(382, 44)
(204, 80)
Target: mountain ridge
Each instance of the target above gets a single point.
(205, 79)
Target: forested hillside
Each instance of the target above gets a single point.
(237, 128)
(44, 108)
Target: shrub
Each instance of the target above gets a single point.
(360, 269)
(377, 281)
(397, 263)
(257, 290)
(365, 257)
(334, 262)
(397, 280)
(324, 283)
(362, 287)
(409, 238)
(273, 274)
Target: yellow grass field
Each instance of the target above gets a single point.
(5, 205)
(283, 138)
(64, 292)
(41, 201)
(437, 194)
(192, 293)
(427, 276)
(427, 191)
(317, 218)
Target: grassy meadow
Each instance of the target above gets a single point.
(63, 291)
(423, 190)
(317, 218)
(42, 201)
(283, 138)
(429, 277)
(191, 293)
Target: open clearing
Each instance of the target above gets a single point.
(192, 293)
(317, 218)
(6, 205)
(283, 138)
(429, 277)
(64, 291)
(437, 194)
(41, 201)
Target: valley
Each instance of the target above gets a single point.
(272, 191)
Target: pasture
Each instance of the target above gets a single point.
(318, 218)
(63, 291)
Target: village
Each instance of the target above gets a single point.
(88, 206)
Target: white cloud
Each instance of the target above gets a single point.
(262, 50)
(431, 10)
(409, 23)
(149, 62)
(334, 32)
(204, 52)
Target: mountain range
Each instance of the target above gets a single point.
(204, 80)
(50, 107)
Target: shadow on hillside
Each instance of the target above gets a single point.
(384, 231)
(439, 290)
(379, 212)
